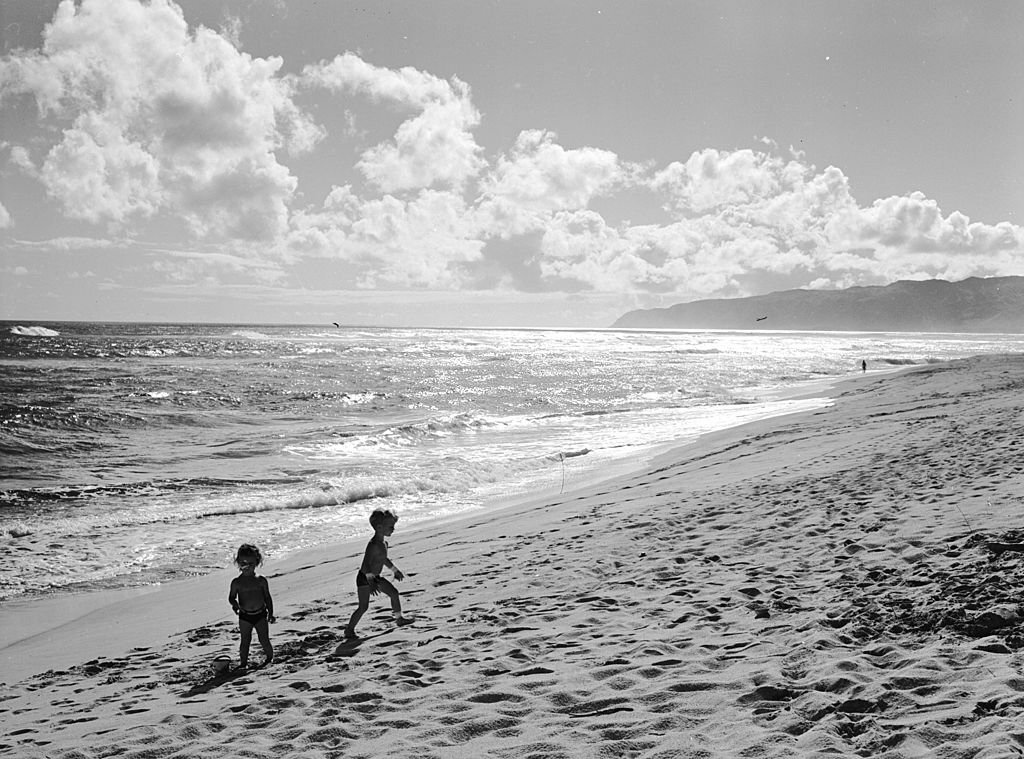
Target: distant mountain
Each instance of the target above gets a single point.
(995, 304)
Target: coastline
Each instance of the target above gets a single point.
(804, 584)
(38, 632)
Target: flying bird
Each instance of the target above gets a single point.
(760, 318)
(336, 324)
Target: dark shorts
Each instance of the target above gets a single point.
(378, 585)
(253, 617)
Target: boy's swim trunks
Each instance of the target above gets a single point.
(252, 617)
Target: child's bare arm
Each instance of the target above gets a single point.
(233, 595)
(267, 599)
(391, 565)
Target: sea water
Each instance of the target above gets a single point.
(135, 454)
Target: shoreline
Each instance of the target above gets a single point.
(814, 584)
(35, 635)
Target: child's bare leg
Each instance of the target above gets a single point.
(243, 647)
(263, 631)
(391, 592)
(363, 592)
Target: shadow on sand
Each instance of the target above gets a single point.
(219, 679)
(351, 647)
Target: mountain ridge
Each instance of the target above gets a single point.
(975, 304)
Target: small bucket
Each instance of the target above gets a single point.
(221, 664)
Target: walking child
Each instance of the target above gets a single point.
(368, 579)
(250, 598)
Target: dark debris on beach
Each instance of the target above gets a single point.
(975, 595)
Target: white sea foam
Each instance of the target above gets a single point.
(249, 334)
(34, 331)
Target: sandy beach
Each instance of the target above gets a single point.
(810, 585)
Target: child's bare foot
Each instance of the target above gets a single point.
(403, 621)
(350, 634)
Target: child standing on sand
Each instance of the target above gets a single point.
(250, 598)
(368, 579)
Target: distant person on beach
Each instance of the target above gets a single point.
(863, 366)
(999, 548)
(368, 579)
(250, 598)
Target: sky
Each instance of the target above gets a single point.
(497, 163)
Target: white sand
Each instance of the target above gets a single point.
(814, 585)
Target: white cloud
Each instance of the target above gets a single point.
(749, 222)
(99, 175)
(423, 241)
(711, 179)
(407, 86)
(160, 120)
(696, 256)
(20, 158)
(740, 219)
(764, 223)
(67, 243)
(915, 224)
(539, 177)
(580, 247)
(150, 120)
(434, 147)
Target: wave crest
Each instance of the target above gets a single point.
(34, 331)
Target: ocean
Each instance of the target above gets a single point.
(136, 454)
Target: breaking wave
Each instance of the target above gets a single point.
(34, 332)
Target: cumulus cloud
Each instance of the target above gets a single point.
(433, 147)
(422, 241)
(151, 120)
(734, 219)
(406, 86)
(154, 118)
(580, 247)
(712, 179)
(437, 238)
(915, 224)
(735, 225)
(907, 237)
(539, 177)
(745, 222)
